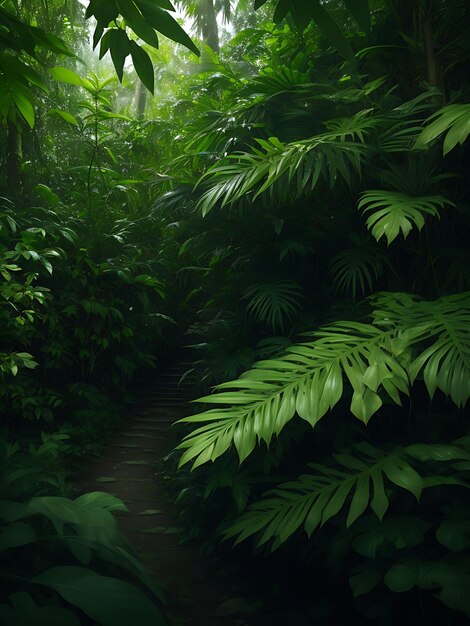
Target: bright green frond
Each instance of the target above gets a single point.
(307, 380)
(377, 360)
(392, 212)
(283, 171)
(356, 127)
(444, 328)
(453, 119)
(357, 481)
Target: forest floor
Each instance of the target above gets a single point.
(195, 591)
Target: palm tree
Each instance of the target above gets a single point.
(204, 13)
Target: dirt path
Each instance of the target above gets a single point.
(195, 593)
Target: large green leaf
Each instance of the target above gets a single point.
(378, 361)
(24, 101)
(142, 65)
(453, 119)
(106, 600)
(65, 75)
(16, 534)
(24, 612)
(166, 24)
(450, 577)
(89, 515)
(138, 23)
(331, 30)
(392, 212)
(120, 49)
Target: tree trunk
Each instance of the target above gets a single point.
(433, 65)
(14, 155)
(140, 99)
(210, 30)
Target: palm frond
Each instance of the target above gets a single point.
(444, 330)
(284, 171)
(308, 380)
(273, 303)
(392, 212)
(356, 269)
(355, 481)
(378, 360)
(453, 119)
(355, 127)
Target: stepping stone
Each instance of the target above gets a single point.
(145, 427)
(136, 463)
(141, 436)
(161, 530)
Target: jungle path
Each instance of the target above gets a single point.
(195, 592)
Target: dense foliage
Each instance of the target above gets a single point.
(295, 202)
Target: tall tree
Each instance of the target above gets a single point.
(205, 13)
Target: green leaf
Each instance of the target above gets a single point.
(375, 537)
(402, 576)
(143, 65)
(104, 11)
(64, 75)
(454, 534)
(437, 452)
(331, 30)
(23, 100)
(314, 498)
(109, 601)
(25, 612)
(17, 534)
(65, 115)
(138, 24)
(404, 476)
(360, 500)
(47, 193)
(363, 580)
(102, 500)
(120, 49)
(392, 212)
(454, 118)
(166, 24)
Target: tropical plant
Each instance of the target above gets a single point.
(374, 360)
(68, 538)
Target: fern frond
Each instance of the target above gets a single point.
(355, 127)
(313, 499)
(444, 327)
(273, 303)
(355, 482)
(283, 170)
(308, 380)
(375, 359)
(393, 212)
(453, 119)
(355, 270)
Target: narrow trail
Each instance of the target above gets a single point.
(195, 592)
